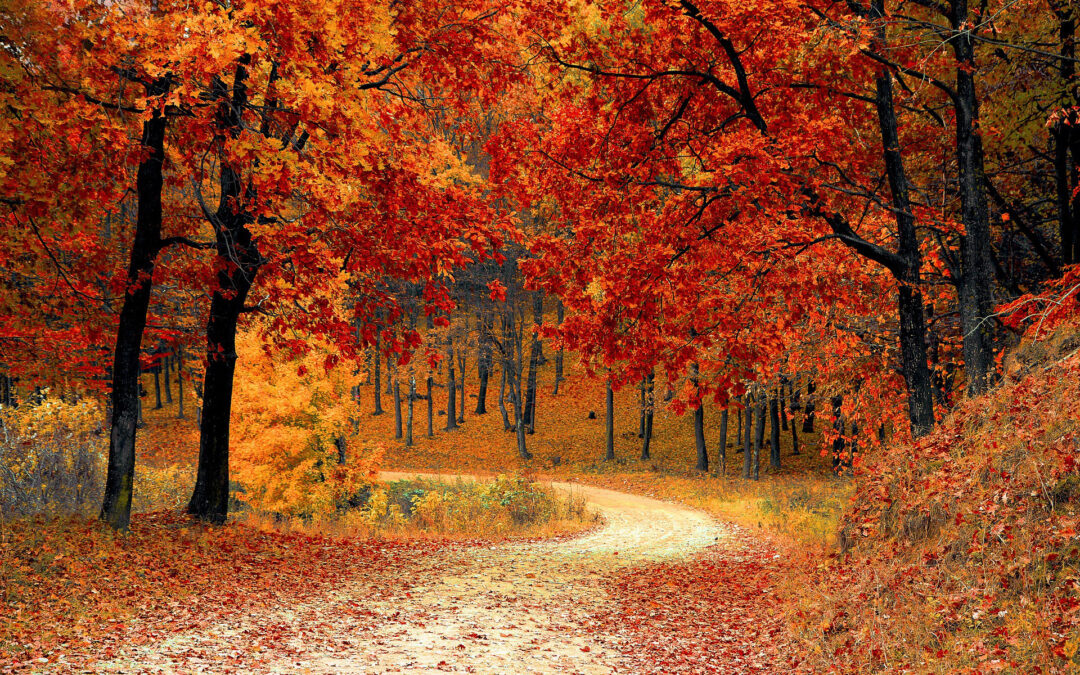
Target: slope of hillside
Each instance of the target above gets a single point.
(961, 553)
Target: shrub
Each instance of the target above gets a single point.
(52, 458)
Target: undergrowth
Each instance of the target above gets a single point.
(960, 552)
(502, 508)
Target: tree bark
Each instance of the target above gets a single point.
(534, 364)
(609, 418)
(748, 423)
(560, 311)
(430, 407)
(699, 426)
(977, 275)
(168, 380)
(808, 421)
(721, 452)
(124, 396)
(759, 433)
(239, 253)
(483, 363)
(451, 386)
(409, 418)
(378, 383)
(398, 431)
(774, 432)
(502, 401)
(650, 408)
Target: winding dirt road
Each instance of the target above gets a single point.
(507, 608)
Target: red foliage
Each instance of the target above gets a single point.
(715, 613)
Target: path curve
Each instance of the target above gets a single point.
(503, 608)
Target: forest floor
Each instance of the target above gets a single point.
(649, 591)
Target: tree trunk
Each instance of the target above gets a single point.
(398, 431)
(699, 426)
(168, 381)
(451, 387)
(977, 275)
(378, 383)
(124, 397)
(642, 406)
(430, 407)
(759, 433)
(783, 406)
(534, 364)
(748, 415)
(609, 445)
(808, 421)
(774, 435)
(502, 401)
(913, 354)
(650, 408)
(409, 418)
(559, 313)
(462, 355)
(721, 453)
(180, 382)
(483, 363)
(157, 387)
(794, 438)
(239, 253)
(1065, 139)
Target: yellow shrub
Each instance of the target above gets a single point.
(288, 420)
(52, 457)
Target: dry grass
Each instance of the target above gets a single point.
(427, 508)
(961, 552)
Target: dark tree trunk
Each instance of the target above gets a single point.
(783, 406)
(759, 433)
(378, 384)
(839, 428)
(483, 363)
(748, 423)
(451, 387)
(534, 364)
(977, 274)
(650, 408)
(240, 252)
(124, 397)
(409, 418)
(430, 408)
(157, 388)
(559, 313)
(609, 418)
(808, 421)
(398, 430)
(168, 381)
(913, 354)
(721, 451)
(774, 433)
(699, 427)
(502, 401)
(180, 382)
(1066, 140)
(794, 438)
(641, 406)
(389, 380)
(462, 355)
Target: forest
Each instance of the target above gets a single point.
(579, 336)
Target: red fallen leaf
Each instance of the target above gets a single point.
(586, 649)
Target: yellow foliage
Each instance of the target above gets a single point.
(295, 447)
(52, 457)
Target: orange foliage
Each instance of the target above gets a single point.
(296, 451)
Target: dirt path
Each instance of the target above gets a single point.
(508, 608)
